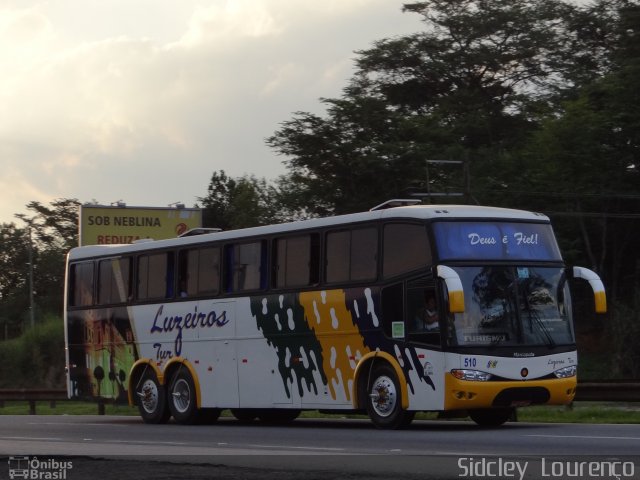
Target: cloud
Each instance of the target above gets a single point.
(105, 104)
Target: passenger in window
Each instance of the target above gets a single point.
(183, 288)
(427, 317)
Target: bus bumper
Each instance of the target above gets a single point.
(465, 394)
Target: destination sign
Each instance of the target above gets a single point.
(495, 241)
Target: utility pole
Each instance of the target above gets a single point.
(31, 305)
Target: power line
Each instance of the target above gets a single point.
(626, 216)
(629, 196)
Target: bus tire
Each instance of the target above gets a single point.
(152, 399)
(491, 417)
(278, 416)
(245, 415)
(383, 399)
(182, 398)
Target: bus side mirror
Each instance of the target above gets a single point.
(454, 288)
(599, 294)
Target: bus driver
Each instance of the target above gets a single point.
(427, 318)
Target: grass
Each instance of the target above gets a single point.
(65, 408)
(579, 412)
(583, 412)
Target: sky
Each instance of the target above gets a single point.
(142, 100)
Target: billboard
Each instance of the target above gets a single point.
(105, 225)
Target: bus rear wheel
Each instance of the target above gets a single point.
(384, 400)
(182, 398)
(491, 417)
(152, 400)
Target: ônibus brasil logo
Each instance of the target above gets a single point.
(33, 468)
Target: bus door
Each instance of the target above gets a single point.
(423, 323)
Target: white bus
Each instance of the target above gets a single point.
(460, 309)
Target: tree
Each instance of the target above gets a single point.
(54, 226)
(348, 161)
(589, 159)
(238, 202)
(14, 299)
(52, 231)
(473, 84)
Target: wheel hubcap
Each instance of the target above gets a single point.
(149, 396)
(383, 396)
(181, 395)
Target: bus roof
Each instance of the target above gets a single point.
(419, 212)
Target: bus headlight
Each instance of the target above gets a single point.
(471, 375)
(566, 372)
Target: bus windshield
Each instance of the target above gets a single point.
(513, 306)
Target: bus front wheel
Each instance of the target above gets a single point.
(384, 400)
(152, 400)
(182, 398)
(491, 417)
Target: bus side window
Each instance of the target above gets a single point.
(81, 291)
(114, 276)
(351, 255)
(296, 261)
(155, 276)
(246, 266)
(406, 249)
(209, 271)
(198, 272)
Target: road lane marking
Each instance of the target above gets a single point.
(326, 449)
(589, 437)
(145, 442)
(55, 439)
(80, 424)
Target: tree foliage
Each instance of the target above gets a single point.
(475, 82)
(54, 226)
(49, 232)
(14, 259)
(238, 202)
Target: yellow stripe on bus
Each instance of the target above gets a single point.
(342, 345)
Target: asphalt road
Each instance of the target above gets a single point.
(124, 447)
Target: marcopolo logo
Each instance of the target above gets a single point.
(36, 469)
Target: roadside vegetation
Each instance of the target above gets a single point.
(35, 359)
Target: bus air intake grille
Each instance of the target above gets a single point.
(521, 395)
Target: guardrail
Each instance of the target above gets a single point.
(39, 395)
(609, 391)
(588, 391)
